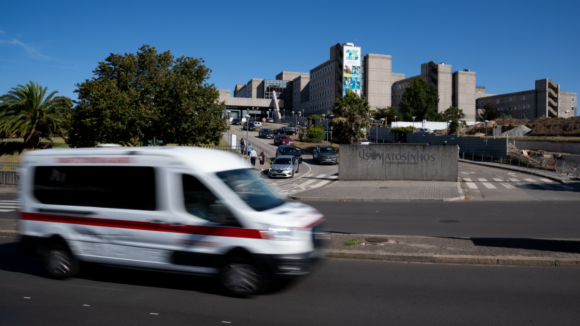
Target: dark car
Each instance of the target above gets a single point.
(236, 122)
(324, 154)
(283, 140)
(266, 133)
(279, 131)
(249, 126)
(289, 130)
(289, 151)
(270, 120)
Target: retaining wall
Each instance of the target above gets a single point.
(480, 146)
(415, 162)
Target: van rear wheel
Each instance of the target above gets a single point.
(59, 262)
(241, 277)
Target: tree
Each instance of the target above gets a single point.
(489, 111)
(313, 117)
(388, 113)
(28, 111)
(353, 114)
(419, 101)
(135, 97)
(453, 114)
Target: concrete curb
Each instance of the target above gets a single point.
(378, 200)
(497, 166)
(453, 259)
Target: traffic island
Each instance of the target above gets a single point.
(455, 250)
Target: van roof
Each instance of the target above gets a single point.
(202, 159)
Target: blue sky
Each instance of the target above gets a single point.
(509, 44)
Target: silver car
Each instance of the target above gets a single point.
(284, 167)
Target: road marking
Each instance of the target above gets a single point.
(467, 179)
(482, 179)
(530, 180)
(320, 176)
(498, 179)
(508, 186)
(471, 185)
(6, 210)
(488, 185)
(319, 184)
(514, 180)
(547, 180)
(308, 182)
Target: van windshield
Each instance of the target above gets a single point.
(251, 190)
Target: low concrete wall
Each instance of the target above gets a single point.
(8, 178)
(418, 162)
(560, 147)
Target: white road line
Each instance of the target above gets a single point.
(508, 186)
(471, 185)
(319, 184)
(6, 210)
(482, 179)
(467, 179)
(530, 180)
(320, 176)
(547, 180)
(308, 182)
(514, 180)
(488, 185)
(498, 179)
(4, 206)
(464, 173)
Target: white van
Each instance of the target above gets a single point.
(178, 209)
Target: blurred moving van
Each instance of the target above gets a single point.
(185, 210)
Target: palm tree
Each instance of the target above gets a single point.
(353, 114)
(27, 111)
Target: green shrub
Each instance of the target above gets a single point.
(315, 134)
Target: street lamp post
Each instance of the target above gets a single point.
(413, 128)
(323, 116)
(371, 124)
(247, 128)
(449, 130)
(377, 129)
(330, 117)
(486, 121)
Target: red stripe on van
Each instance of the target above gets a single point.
(146, 226)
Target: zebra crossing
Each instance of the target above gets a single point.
(9, 205)
(305, 182)
(513, 183)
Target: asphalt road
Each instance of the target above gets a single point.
(342, 292)
(474, 219)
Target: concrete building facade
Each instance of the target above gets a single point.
(316, 91)
(545, 100)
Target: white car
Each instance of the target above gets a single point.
(175, 209)
(258, 124)
(365, 142)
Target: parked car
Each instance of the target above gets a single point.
(289, 130)
(291, 125)
(289, 150)
(324, 154)
(210, 216)
(266, 133)
(365, 142)
(279, 131)
(284, 167)
(270, 120)
(424, 129)
(249, 126)
(236, 121)
(283, 140)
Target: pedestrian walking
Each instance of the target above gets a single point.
(242, 144)
(262, 158)
(249, 149)
(253, 156)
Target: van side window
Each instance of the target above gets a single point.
(199, 200)
(123, 187)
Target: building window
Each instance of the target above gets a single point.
(481, 103)
(497, 101)
(572, 99)
(572, 108)
(509, 99)
(523, 97)
(528, 106)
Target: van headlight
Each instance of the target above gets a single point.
(280, 233)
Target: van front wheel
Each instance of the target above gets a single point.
(241, 277)
(59, 262)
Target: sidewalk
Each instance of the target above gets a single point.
(384, 191)
(543, 173)
(482, 251)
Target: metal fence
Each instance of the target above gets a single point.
(9, 166)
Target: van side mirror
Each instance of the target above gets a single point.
(223, 216)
